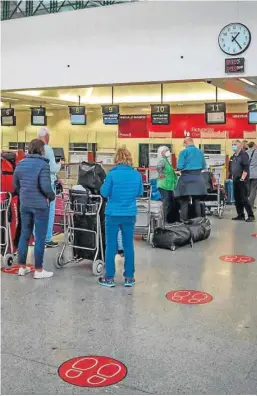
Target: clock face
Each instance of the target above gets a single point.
(234, 39)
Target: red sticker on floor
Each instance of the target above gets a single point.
(254, 235)
(92, 371)
(15, 268)
(237, 259)
(189, 297)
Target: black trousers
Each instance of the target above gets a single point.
(184, 202)
(170, 208)
(241, 198)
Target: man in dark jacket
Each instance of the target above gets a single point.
(239, 167)
(33, 184)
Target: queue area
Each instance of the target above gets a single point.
(189, 324)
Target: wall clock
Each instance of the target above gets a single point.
(234, 39)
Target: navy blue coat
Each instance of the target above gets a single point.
(33, 183)
(122, 186)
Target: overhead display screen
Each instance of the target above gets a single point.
(7, 117)
(160, 114)
(252, 112)
(38, 116)
(215, 113)
(110, 114)
(78, 115)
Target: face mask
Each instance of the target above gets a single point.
(168, 153)
(234, 148)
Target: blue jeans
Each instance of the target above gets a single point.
(29, 218)
(50, 227)
(127, 225)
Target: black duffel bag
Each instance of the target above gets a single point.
(172, 236)
(91, 176)
(200, 228)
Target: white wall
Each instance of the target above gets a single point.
(136, 42)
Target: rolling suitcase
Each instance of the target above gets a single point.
(229, 189)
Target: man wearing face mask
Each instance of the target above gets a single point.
(239, 167)
(191, 184)
(166, 183)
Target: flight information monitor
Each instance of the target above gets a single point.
(38, 116)
(7, 117)
(78, 115)
(110, 114)
(160, 114)
(252, 112)
(215, 113)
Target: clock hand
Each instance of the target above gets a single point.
(238, 44)
(234, 38)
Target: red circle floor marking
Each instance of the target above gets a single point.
(237, 259)
(254, 235)
(194, 297)
(92, 371)
(15, 268)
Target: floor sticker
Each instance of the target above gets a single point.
(92, 371)
(254, 235)
(194, 297)
(15, 268)
(240, 259)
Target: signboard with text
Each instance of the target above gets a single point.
(160, 114)
(234, 65)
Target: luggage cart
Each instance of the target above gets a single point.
(143, 220)
(7, 249)
(73, 208)
(215, 201)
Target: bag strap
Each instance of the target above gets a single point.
(252, 156)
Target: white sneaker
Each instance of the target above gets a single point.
(24, 271)
(43, 274)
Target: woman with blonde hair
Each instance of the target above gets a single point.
(121, 188)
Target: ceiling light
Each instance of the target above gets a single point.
(4, 98)
(29, 93)
(247, 81)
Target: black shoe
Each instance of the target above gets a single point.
(240, 218)
(51, 244)
(250, 219)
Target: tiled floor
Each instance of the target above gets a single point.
(167, 347)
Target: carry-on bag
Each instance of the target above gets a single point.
(91, 176)
(172, 236)
(200, 228)
(229, 189)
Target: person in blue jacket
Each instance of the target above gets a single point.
(32, 182)
(191, 183)
(122, 186)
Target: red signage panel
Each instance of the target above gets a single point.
(183, 125)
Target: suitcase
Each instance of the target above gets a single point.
(200, 228)
(229, 189)
(156, 214)
(191, 210)
(172, 236)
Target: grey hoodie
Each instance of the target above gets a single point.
(253, 163)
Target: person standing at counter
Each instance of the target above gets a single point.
(44, 136)
(191, 183)
(166, 182)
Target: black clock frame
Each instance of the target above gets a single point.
(241, 52)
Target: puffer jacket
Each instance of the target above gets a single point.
(33, 183)
(122, 186)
